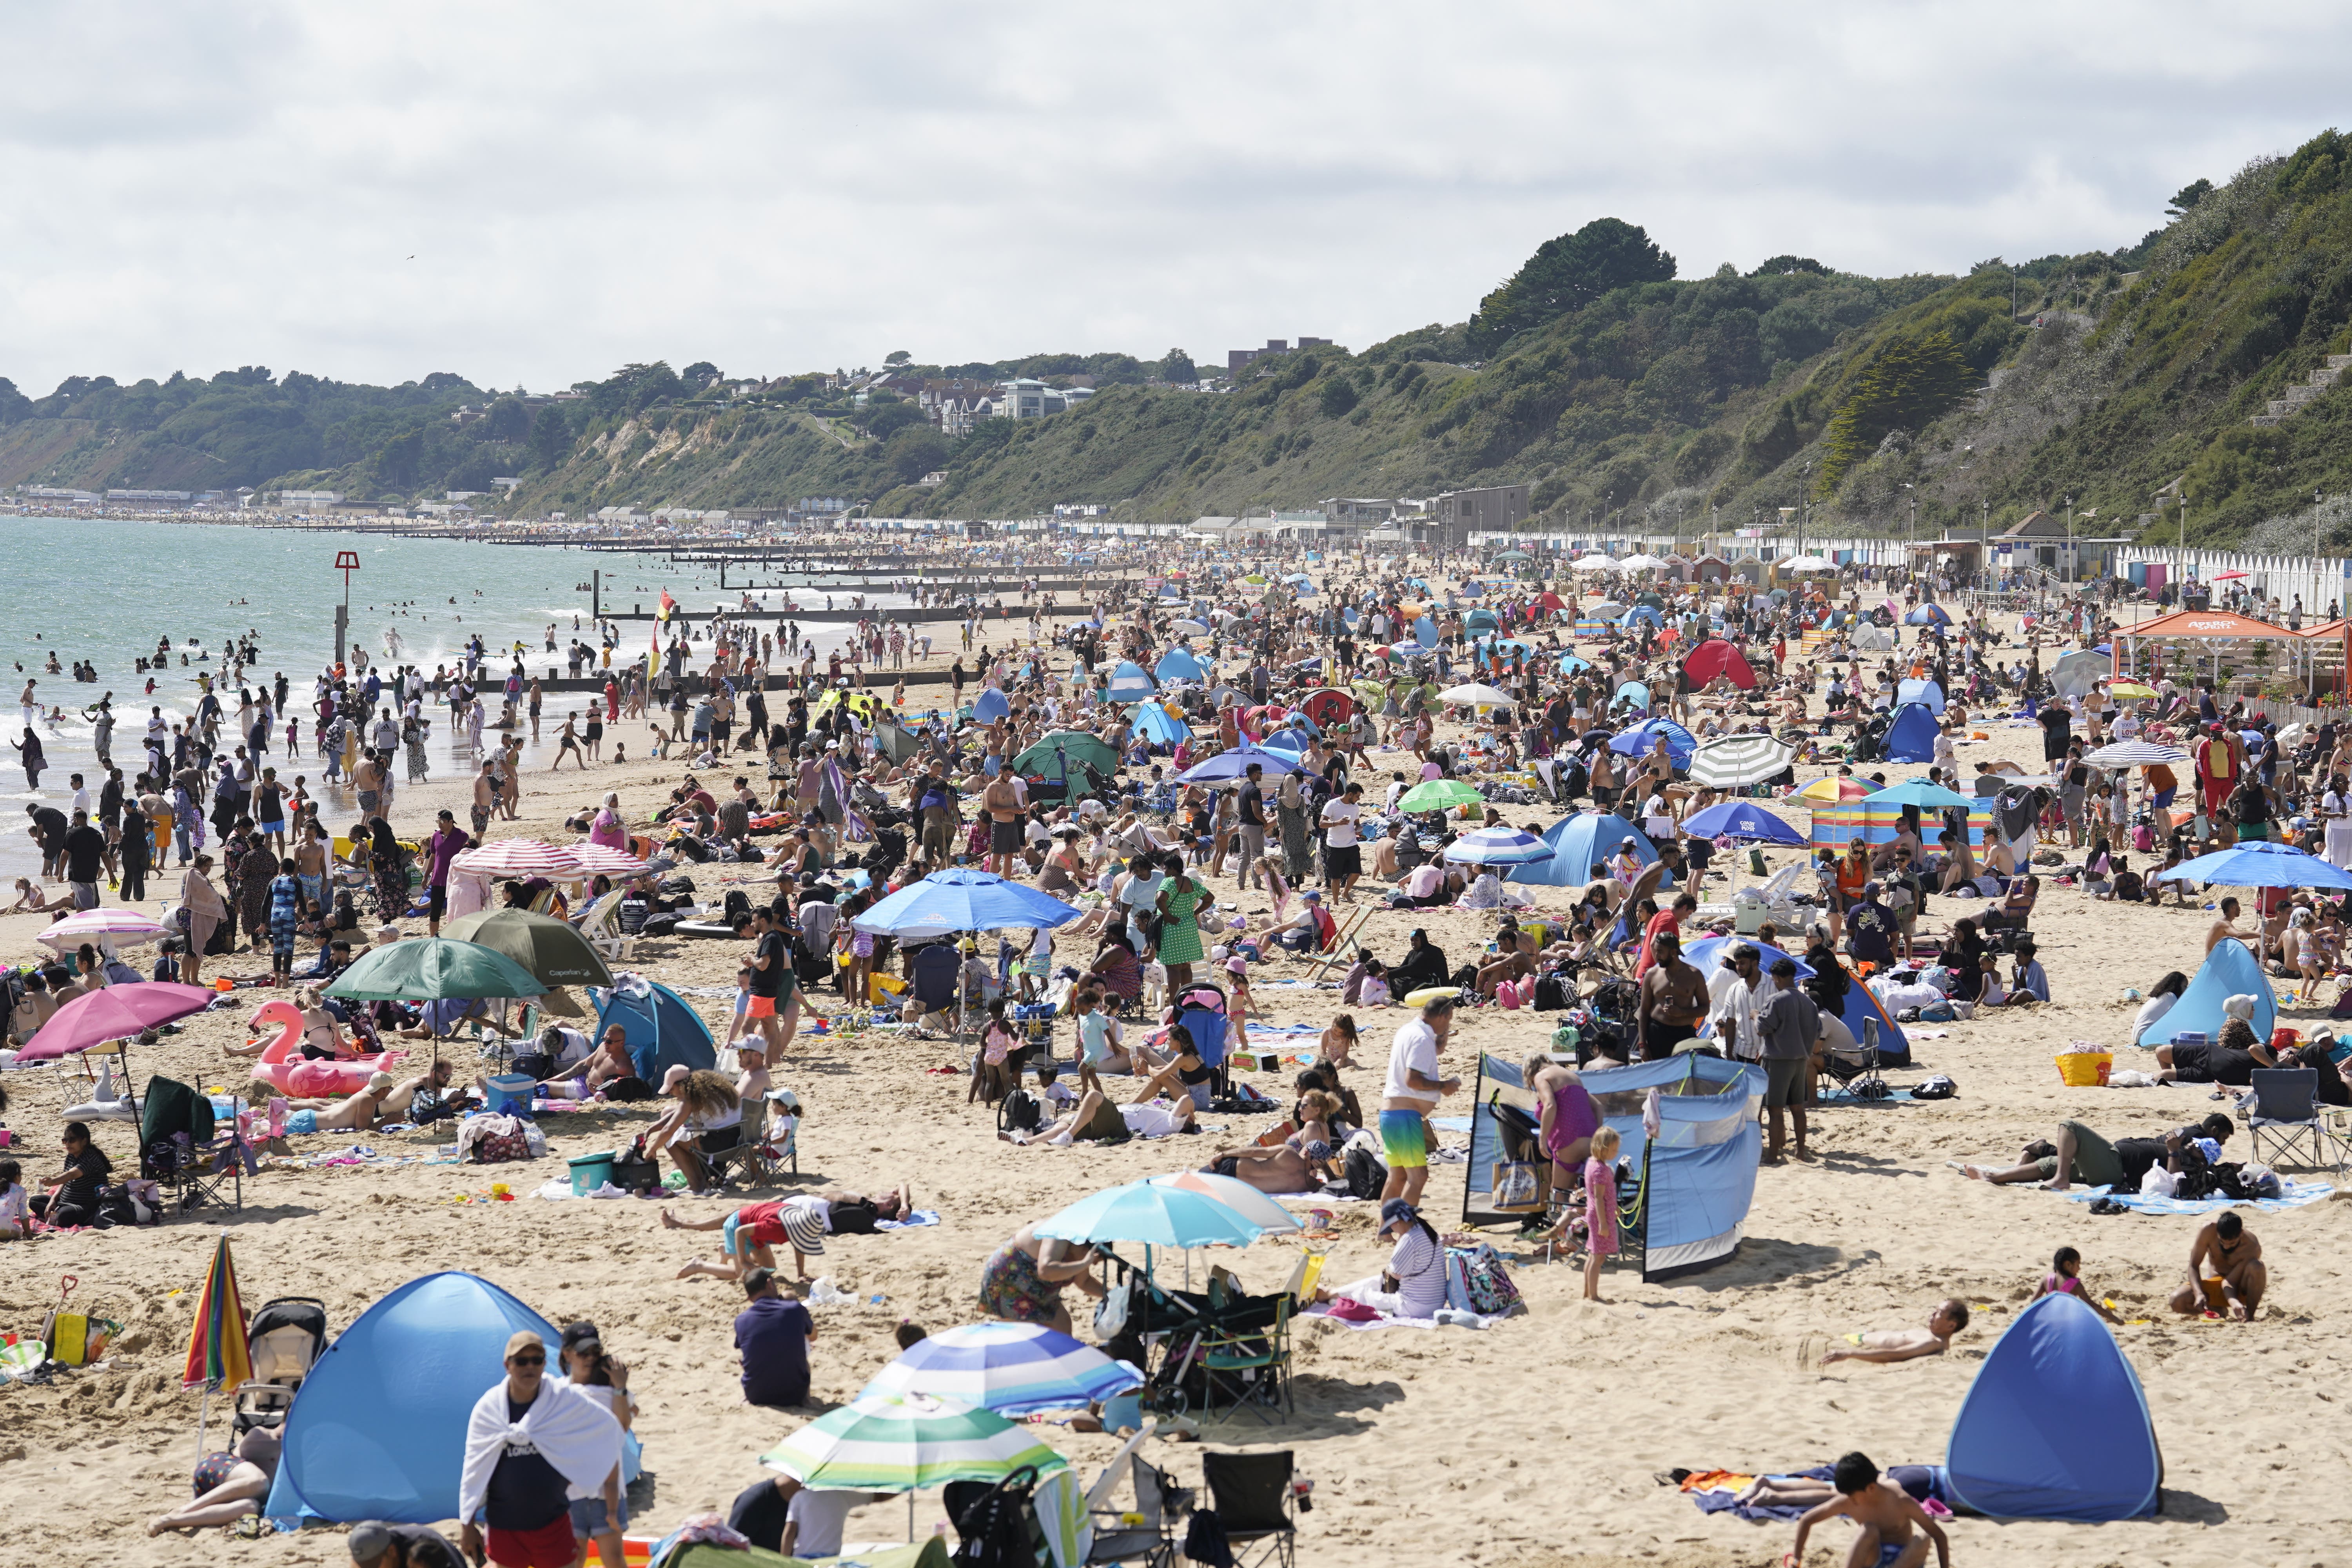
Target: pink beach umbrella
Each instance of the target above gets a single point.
(509, 857)
(601, 860)
(107, 928)
(116, 1013)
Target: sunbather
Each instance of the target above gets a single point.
(229, 1486)
(1904, 1344)
(1300, 1164)
(358, 1112)
(1095, 1120)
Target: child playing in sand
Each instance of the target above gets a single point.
(1886, 1514)
(15, 1217)
(2065, 1278)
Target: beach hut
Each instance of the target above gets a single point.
(1697, 1176)
(2229, 970)
(378, 1429)
(2055, 1424)
(661, 1028)
(1581, 842)
(1911, 738)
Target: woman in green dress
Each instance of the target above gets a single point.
(1180, 930)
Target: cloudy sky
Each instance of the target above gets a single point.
(536, 194)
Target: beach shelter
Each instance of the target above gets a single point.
(1716, 657)
(378, 1430)
(1697, 1177)
(1063, 752)
(2054, 1425)
(1863, 1008)
(1638, 740)
(662, 1028)
(1579, 843)
(1159, 724)
(991, 705)
(1479, 622)
(1425, 632)
(1328, 707)
(1921, 691)
(1928, 616)
(1911, 738)
(1129, 683)
(2229, 970)
(1177, 664)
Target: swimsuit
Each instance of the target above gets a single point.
(1011, 1289)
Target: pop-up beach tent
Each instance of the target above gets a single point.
(2055, 1425)
(1577, 844)
(1911, 738)
(1696, 1178)
(2229, 970)
(1128, 683)
(378, 1430)
(662, 1028)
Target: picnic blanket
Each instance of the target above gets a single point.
(1453, 1318)
(2298, 1194)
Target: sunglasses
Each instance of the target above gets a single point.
(527, 1361)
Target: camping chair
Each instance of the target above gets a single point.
(287, 1336)
(1252, 1494)
(1856, 1069)
(1248, 1369)
(1151, 1539)
(757, 1158)
(2284, 1113)
(181, 1149)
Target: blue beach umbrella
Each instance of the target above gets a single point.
(1918, 792)
(1232, 765)
(1009, 1368)
(1154, 1215)
(1743, 820)
(960, 898)
(1498, 846)
(2260, 864)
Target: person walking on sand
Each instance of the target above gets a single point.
(1415, 1084)
(530, 1442)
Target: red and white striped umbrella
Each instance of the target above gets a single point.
(124, 928)
(601, 860)
(518, 857)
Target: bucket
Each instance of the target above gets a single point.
(2284, 1039)
(2085, 1070)
(590, 1171)
(1122, 1413)
(510, 1094)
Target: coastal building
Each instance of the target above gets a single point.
(1359, 511)
(1237, 358)
(1496, 509)
(309, 501)
(1025, 398)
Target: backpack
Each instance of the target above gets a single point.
(1477, 1281)
(1366, 1174)
(739, 908)
(1019, 1111)
(1551, 993)
(2195, 1178)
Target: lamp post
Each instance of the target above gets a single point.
(2071, 575)
(1984, 542)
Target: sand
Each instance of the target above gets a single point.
(1534, 1442)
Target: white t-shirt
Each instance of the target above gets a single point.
(1339, 823)
(1150, 1120)
(821, 1515)
(2151, 1013)
(1414, 1050)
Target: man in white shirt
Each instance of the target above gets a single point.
(1414, 1086)
(1343, 860)
(1731, 1009)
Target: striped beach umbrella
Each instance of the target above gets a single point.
(1237, 1195)
(109, 929)
(1009, 1368)
(882, 1442)
(603, 860)
(218, 1356)
(1736, 762)
(1498, 846)
(2129, 754)
(518, 857)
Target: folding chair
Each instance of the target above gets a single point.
(750, 1160)
(179, 1149)
(1145, 1533)
(1248, 1369)
(1856, 1069)
(2284, 1113)
(1252, 1494)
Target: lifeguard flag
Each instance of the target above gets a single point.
(218, 1356)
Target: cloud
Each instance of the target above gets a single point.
(781, 186)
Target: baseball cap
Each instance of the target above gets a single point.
(523, 1340)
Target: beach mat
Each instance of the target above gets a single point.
(2298, 1194)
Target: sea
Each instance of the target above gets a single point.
(108, 593)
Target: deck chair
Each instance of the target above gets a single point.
(750, 1160)
(198, 1163)
(2285, 1113)
(1248, 1369)
(1151, 1539)
(600, 925)
(287, 1336)
(1252, 1495)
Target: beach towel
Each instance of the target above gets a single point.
(2298, 1194)
(573, 1431)
(915, 1220)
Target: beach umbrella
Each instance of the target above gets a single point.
(2076, 674)
(1829, 791)
(1012, 1369)
(2136, 754)
(1439, 795)
(1645, 562)
(1595, 564)
(1512, 555)
(1154, 1215)
(433, 969)
(883, 1442)
(218, 1354)
(1482, 696)
(960, 898)
(1743, 820)
(507, 859)
(602, 860)
(109, 929)
(1498, 846)
(1237, 1195)
(2131, 691)
(2259, 863)
(1235, 763)
(1736, 762)
(1918, 792)
(1808, 563)
(116, 1012)
(548, 949)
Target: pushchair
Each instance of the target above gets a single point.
(286, 1339)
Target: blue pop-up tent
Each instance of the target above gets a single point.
(2054, 1425)
(1911, 738)
(1638, 740)
(662, 1028)
(1128, 683)
(1177, 665)
(991, 705)
(1157, 724)
(1928, 616)
(378, 1430)
(1579, 843)
(1921, 690)
(1697, 1177)
(2229, 970)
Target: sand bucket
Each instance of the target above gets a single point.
(2085, 1070)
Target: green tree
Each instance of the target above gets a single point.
(551, 438)
(1338, 397)
(913, 452)
(508, 420)
(1178, 367)
(1911, 382)
(2187, 197)
(1567, 274)
(397, 461)
(698, 374)
(1781, 265)
(890, 417)
(897, 357)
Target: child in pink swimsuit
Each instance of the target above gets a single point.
(1600, 1207)
(2065, 1278)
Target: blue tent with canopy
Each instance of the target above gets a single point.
(1158, 725)
(2229, 970)
(378, 1429)
(2055, 1424)
(1911, 738)
(1928, 616)
(991, 705)
(1177, 665)
(1922, 690)
(1425, 632)
(1479, 621)
(1637, 740)
(1696, 1178)
(1581, 842)
(662, 1028)
(1287, 739)
(1128, 683)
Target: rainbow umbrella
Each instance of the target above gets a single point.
(1832, 790)
(218, 1356)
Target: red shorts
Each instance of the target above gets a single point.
(549, 1546)
(762, 1007)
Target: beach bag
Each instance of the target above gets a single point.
(1111, 1317)
(1205, 1543)
(1477, 1281)
(1516, 1188)
(1551, 993)
(502, 1145)
(1020, 1112)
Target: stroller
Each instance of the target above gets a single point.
(286, 1338)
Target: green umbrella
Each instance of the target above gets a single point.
(905, 1442)
(433, 969)
(1439, 795)
(1062, 752)
(547, 949)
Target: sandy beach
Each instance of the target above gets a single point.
(1535, 1442)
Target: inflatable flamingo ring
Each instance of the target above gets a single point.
(284, 1067)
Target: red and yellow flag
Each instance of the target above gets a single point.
(218, 1356)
